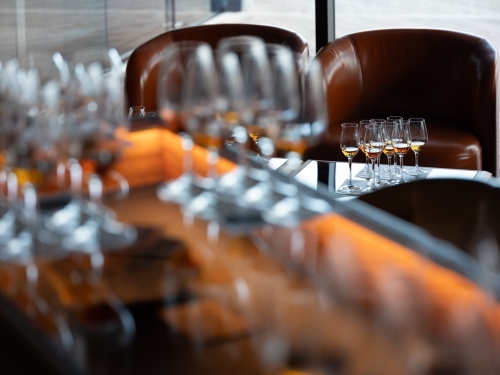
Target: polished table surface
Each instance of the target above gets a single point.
(329, 176)
(159, 347)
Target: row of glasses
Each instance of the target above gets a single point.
(63, 120)
(390, 137)
(187, 89)
(244, 90)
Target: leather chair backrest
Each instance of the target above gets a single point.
(437, 74)
(461, 212)
(144, 63)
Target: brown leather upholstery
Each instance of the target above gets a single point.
(143, 64)
(446, 77)
(432, 205)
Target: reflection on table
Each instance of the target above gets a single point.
(329, 176)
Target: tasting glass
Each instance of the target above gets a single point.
(380, 122)
(280, 122)
(257, 84)
(399, 122)
(389, 129)
(374, 145)
(199, 107)
(303, 122)
(279, 129)
(251, 79)
(401, 143)
(349, 144)
(136, 112)
(365, 172)
(314, 108)
(418, 139)
(172, 93)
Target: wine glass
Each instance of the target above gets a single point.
(399, 122)
(401, 143)
(296, 133)
(246, 188)
(256, 73)
(349, 144)
(379, 181)
(200, 95)
(389, 128)
(418, 139)
(365, 172)
(374, 145)
(295, 119)
(172, 93)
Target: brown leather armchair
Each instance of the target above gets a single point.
(142, 67)
(448, 78)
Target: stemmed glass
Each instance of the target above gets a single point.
(349, 144)
(365, 172)
(278, 132)
(300, 124)
(399, 122)
(255, 68)
(379, 181)
(374, 145)
(418, 139)
(247, 187)
(200, 96)
(172, 93)
(401, 143)
(388, 149)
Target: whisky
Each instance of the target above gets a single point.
(389, 150)
(350, 152)
(401, 148)
(416, 146)
(373, 152)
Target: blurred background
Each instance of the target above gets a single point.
(67, 25)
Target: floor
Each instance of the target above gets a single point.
(68, 25)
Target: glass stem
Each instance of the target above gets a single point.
(187, 161)
(401, 166)
(350, 173)
(212, 161)
(367, 163)
(373, 171)
(378, 166)
(389, 164)
(242, 139)
(416, 160)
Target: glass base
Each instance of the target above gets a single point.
(416, 171)
(370, 189)
(353, 189)
(366, 172)
(398, 182)
(386, 176)
(178, 191)
(383, 182)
